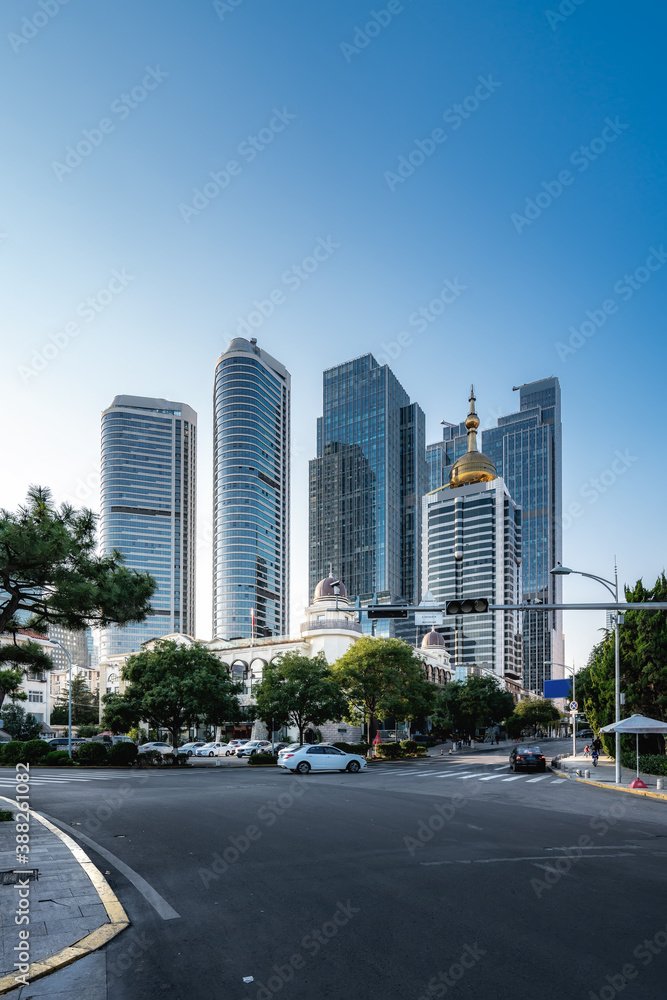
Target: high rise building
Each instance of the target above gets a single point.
(251, 493)
(526, 448)
(148, 507)
(78, 644)
(441, 456)
(366, 483)
(472, 549)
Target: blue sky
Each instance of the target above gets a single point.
(534, 199)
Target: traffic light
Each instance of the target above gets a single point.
(378, 612)
(468, 607)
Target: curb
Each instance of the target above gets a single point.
(662, 797)
(118, 918)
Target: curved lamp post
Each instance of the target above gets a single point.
(612, 587)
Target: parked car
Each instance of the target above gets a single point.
(213, 749)
(233, 746)
(62, 742)
(110, 740)
(585, 734)
(252, 747)
(527, 757)
(163, 748)
(321, 757)
(189, 748)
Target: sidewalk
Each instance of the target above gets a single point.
(605, 774)
(72, 911)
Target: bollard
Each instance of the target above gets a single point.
(660, 784)
(587, 773)
(578, 772)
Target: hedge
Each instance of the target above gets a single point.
(92, 753)
(359, 748)
(57, 758)
(122, 753)
(648, 763)
(13, 752)
(262, 758)
(34, 751)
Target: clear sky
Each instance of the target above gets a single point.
(513, 150)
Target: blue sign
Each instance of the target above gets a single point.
(557, 689)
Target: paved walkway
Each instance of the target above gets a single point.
(605, 773)
(64, 906)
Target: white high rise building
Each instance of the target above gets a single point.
(472, 549)
(251, 493)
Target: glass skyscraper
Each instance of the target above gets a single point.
(251, 493)
(366, 483)
(147, 510)
(526, 448)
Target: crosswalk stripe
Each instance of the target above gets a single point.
(515, 777)
(540, 778)
(490, 777)
(465, 777)
(558, 781)
(500, 768)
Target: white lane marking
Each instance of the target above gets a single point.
(558, 781)
(467, 777)
(490, 777)
(469, 774)
(515, 777)
(541, 778)
(500, 768)
(493, 861)
(150, 894)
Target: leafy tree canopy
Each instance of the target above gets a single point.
(382, 678)
(536, 712)
(19, 724)
(50, 570)
(477, 702)
(299, 690)
(643, 669)
(172, 686)
(84, 705)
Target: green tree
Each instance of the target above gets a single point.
(477, 702)
(535, 712)
(19, 724)
(382, 678)
(298, 690)
(84, 705)
(172, 686)
(18, 657)
(49, 569)
(643, 669)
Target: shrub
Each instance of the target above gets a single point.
(648, 763)
(122, 754)
(6, 815)
(262, 758)
(390, 751)
(35, 751)
(150, 757)
(410, 746)
(92, 753)
(13, 752)
(358, 748)
(57, 758)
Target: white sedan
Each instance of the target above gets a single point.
(163, 748)
(321, 757)
(212, 750)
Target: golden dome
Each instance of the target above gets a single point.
(474, 466)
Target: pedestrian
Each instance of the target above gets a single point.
(587, 750)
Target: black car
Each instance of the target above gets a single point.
(527, 757)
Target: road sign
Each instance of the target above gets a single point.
(574, 705)
(428, 618)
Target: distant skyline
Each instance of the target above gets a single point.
(526, 236)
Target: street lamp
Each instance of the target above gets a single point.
(69, 723)
(613, 589)
(552, 663)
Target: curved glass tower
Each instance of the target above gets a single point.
(147, 510)
(251, 491)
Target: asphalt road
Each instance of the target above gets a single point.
(449, 877)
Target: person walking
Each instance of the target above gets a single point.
(587, 750)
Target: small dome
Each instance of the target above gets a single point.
(325, 589)
(433, 638)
